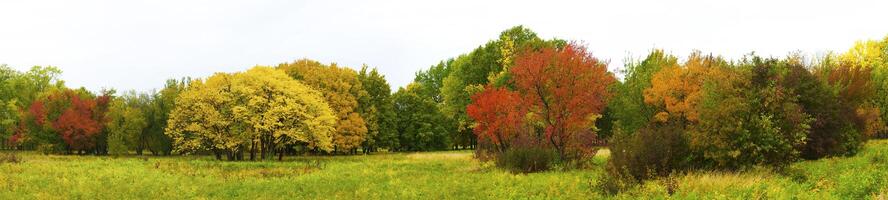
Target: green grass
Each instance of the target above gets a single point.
(436, 175)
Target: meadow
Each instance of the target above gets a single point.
(430, 175)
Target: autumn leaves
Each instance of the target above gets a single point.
(558, 93)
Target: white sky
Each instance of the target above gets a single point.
(138, 44)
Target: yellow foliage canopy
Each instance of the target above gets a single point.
(342, 89)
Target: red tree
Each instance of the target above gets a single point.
(77, 124)
(565, 89)
(71, 116)
(499, 114)
(38, 112)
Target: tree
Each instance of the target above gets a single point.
(841, 123)
(18, 90)
(873, 54)
(203, 119)
(9, 112)
(565, 89)
(629, 111)
(126, 124)
(419, 124)
(260, 109)
(678, 90)
(77, 126)
(157, 111)
(469, 73)
(749, 116)
(342, 90)
(376, 109)
(65, 120)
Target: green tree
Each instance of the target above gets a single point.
(420, 127)
(126, 124)
(18, 90)
(376, 109)
(628, 109)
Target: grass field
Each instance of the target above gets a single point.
(435, 175)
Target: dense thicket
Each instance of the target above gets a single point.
(708, 113)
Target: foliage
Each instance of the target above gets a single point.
(629, 111)
(126, 124)
(229, 113)
(873, 55)
(66, 120)
(342, 90)
(558, 95)
(430, 83)
(653, 151)
(737, 116)
(419, 125)
(376, 108)
(850, 90)
(490, 63)
(17, 92)
(157, 107)
(565, 91)
(499, 115)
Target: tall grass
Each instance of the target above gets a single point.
(864, 176)
(436, 175)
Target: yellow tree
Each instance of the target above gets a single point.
(202, 118)
(280, 111)
(677, 89)
(342, 89)
(258, 109)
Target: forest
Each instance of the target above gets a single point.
(547, 110)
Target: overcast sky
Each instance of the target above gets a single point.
(138, 44)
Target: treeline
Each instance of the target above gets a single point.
(293, 108)
(520, 100)
(40, 113)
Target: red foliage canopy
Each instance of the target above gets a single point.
(77, 125)
(38, 112)
(76, 118)
(499, 113)
(564, 88)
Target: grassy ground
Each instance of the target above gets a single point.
(436, 175)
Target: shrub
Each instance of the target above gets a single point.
(844, 115)
(527, 160)
(654, 151)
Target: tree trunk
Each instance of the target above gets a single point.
(253, 151)
(240, 153)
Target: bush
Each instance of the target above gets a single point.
(527, 160)
(655, 150)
